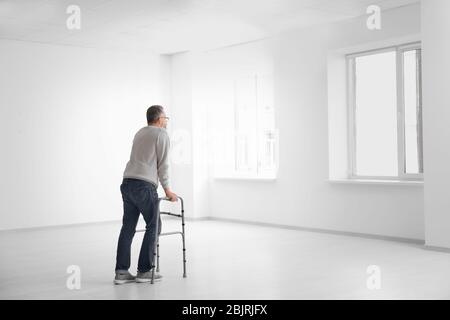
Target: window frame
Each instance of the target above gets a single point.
(351, 103)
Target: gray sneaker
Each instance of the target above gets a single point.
(124, 277)
(147, 277)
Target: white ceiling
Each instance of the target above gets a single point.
(167, 26)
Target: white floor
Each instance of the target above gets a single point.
(224, 261)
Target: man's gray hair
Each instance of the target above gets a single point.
(153, 113)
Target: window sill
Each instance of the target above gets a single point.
(415, 183)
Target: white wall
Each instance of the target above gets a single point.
(189, 137)
(181, 130)
(301, 195)
(436, 120)
(67, 119)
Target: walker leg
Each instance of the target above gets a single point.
(153, 266)
(157, 244)
(184, 259)
(155, 248)
(182, 235)
(157, 257)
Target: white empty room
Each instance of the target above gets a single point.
(284, 149)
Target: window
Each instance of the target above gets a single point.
(254, 134)
(385, 114)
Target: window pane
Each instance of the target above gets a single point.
(412, 111)
(266, 124)
(246, 126)
(267, 150)
(376, 115)
(242, 162)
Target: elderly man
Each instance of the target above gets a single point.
(149, 162)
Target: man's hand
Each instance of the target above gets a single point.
(172, 196)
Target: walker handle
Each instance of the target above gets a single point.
(168, 199)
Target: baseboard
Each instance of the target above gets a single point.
(265, 224)
(71, 225)
(439, 249)
(327, 231)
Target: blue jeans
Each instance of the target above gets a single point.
(138, 196)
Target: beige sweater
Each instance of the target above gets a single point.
(149, 159)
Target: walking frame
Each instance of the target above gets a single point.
(158, 228)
